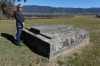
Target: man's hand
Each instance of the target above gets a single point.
(23, 24)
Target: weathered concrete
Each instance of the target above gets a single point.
(54, 40)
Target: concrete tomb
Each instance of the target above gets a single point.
(54, 40)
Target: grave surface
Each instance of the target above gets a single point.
(54, 40)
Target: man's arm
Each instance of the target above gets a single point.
(23, 22)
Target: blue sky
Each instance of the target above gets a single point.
(63, 3)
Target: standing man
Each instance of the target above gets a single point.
(19, 23)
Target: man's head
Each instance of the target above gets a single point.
(19, 7)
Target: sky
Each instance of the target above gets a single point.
(63, 3)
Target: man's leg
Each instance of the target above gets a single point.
(19, 31)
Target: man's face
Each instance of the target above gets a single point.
(20, 8)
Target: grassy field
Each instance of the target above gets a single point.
(12, 55)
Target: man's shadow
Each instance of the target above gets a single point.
(9, 37)
(32, 48)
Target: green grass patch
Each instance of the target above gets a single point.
(60, 62)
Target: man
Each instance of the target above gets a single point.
(19, 23)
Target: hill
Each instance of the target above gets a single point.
(48, 9)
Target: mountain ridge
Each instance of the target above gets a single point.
(49, 9)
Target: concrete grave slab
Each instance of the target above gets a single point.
(54, 40)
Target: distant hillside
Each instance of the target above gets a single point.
(47, 9)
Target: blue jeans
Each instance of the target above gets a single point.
(19, 32)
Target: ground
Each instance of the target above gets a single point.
(88, 55)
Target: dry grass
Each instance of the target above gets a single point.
(88, 55)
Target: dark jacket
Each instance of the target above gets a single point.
(19, 17)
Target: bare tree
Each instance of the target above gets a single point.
(7, 7)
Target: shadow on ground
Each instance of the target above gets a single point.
(9, 37)
(34, 49)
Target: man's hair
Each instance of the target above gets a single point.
(19, 5)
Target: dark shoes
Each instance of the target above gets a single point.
(19, 45)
